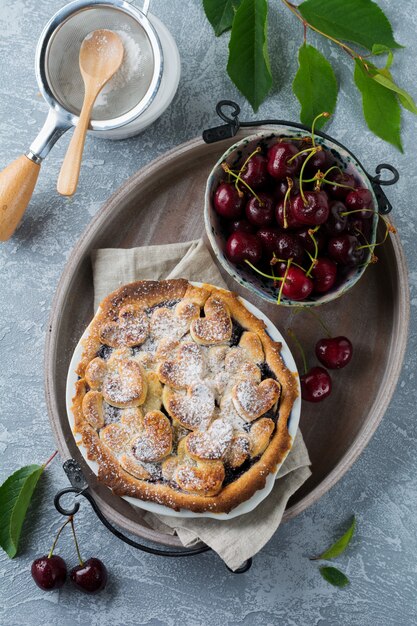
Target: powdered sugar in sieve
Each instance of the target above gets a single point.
(129, 85)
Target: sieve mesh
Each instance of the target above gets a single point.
(62, 62)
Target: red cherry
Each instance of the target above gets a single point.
(317, 162)
(241, 246)
(289, 247)
(334, 352)
(343, 178)
(282, 188)
(278, 157)
(307, 242)
(269, 239)
(279, 215)
(297, 286)
(324, 274)
(344, 250)
(255, 173)
(316, 384)
(359, 227)
(260, 212)
(242, 225)
(314, 211)
(49, 572)
(90, 577)
(227, 201)
(360, 200)
(336, 222)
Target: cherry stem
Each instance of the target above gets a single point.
(294, 9)
(236, 176)
(312, 153)
(313, 125)
(301, 152)
(319, 176)
(287, 195)
(299, 346)
(332, 182)
(320, 321)
(277, 260)
(51, 551)
(242, 169)
(311, 232)
(75, 541)
(389, 228)
(51, 458)
(322, 178)
(283, 281)
(262, 273)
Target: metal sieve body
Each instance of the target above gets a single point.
(59, 77)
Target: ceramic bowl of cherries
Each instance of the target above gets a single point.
(291, 216)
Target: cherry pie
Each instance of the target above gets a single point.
(182, 398)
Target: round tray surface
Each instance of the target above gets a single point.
(163, 203)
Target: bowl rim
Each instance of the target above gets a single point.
(279, 130)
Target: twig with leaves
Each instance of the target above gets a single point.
(359, 22)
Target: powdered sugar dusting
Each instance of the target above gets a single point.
(200, 381)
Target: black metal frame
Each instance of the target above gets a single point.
(80, 488)
(71, 466)
(233, 124)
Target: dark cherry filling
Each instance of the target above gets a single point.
(167, 304)
(104, 352)
(266, 371)
(237, 331)
(111, 413)
(232, 474)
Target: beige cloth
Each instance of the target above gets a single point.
(238, 539)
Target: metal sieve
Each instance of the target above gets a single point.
(60, 80)
(61, 84)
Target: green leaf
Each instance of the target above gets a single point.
(334, 576)
(248, 64)
(380, 107)
(15, 496)
(220, 13)
(385, 79)
(378, 48)
(314, 85)
(360, 21)
(339, 546)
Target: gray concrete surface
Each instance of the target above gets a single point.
(283, 586)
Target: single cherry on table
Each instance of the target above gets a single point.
(90, 576)
(49, 572)
(316, 384)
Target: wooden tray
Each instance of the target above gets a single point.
(163, 203)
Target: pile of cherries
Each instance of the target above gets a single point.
(50, 571)
(292, 213)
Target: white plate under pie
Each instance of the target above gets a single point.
(160, 509)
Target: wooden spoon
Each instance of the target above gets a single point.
(101, 55)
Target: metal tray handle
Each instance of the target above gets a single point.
(229, 112)
(80, 488)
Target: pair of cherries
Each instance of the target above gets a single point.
(334, 353)
(50, 571)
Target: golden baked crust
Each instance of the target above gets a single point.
(183, 398)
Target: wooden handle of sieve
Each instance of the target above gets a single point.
(17, 183)
(70, 170)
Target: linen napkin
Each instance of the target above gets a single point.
(238, 539)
